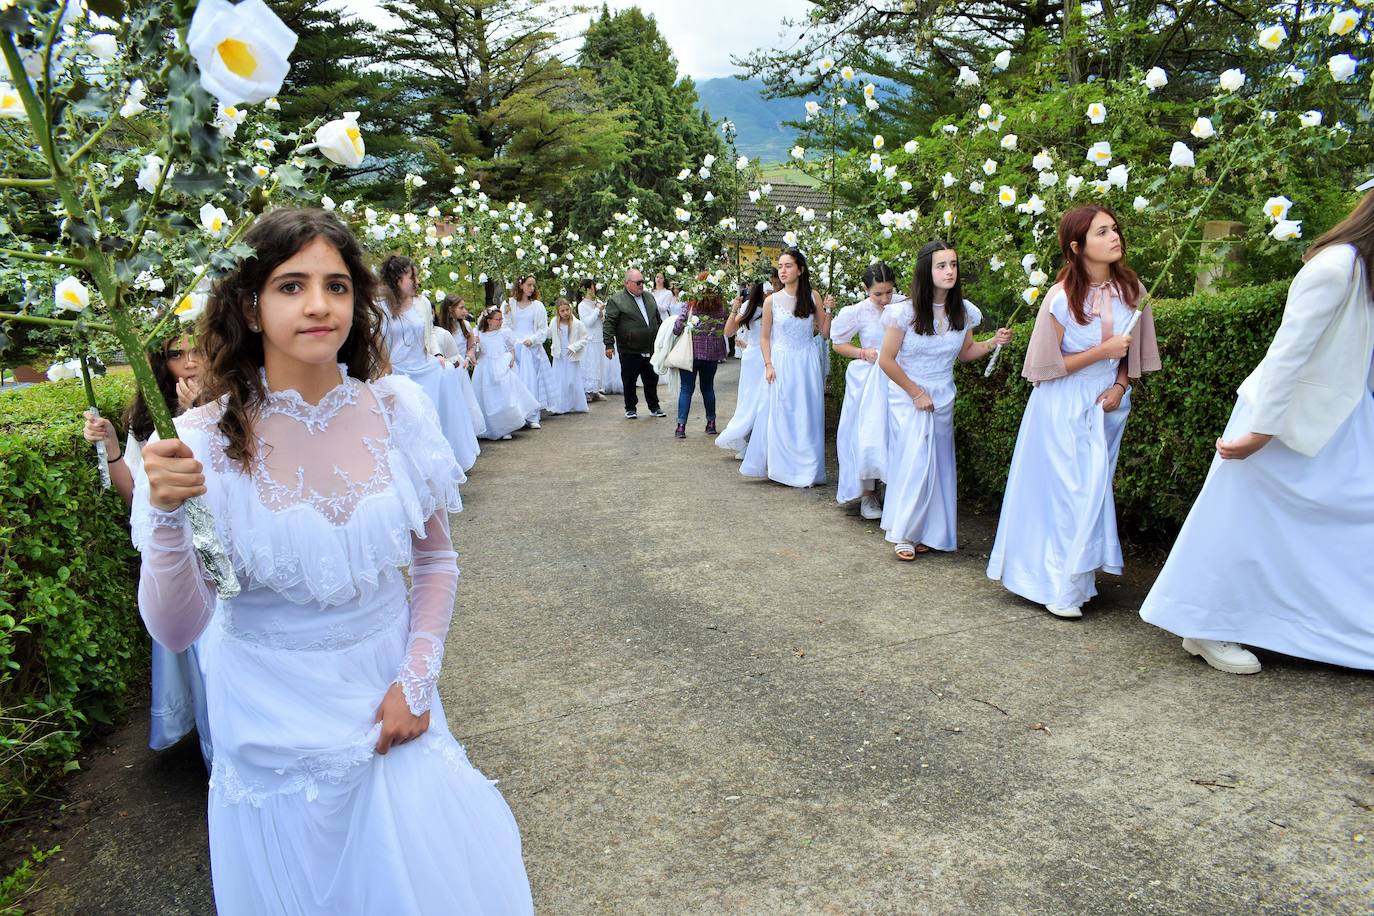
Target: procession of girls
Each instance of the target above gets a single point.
(336, 783)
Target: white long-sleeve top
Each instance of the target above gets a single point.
(527, 322)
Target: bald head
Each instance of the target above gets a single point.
(634, 282)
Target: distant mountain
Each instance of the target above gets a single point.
(758, 121)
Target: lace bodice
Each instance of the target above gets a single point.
(337, 497)
(405, 335)
(863, 320)
(491, 344)
(790, 332)
(928, 359)
(528, 321)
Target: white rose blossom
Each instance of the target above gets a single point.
(240, 48)
(1156, 78)
(1342, 67)
(1181, 157)
(1285, 230)
(1202, 129)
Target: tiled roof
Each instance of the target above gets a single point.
(789, 196)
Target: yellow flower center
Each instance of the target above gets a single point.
(230, 112)
(215, 224)
(72, 296)
(238, 57)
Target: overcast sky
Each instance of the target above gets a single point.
(703, 33)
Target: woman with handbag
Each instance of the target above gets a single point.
(701, 326)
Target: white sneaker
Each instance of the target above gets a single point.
(1069, 612)
(505, 437)
(870, 508)
(1224, 656)
(534, 424)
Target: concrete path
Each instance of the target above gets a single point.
(704, 694)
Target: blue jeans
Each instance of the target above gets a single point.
(706, 369)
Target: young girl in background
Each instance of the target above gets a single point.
(592, 312)
(458, 345)
(864, 321)
(528, 322)
(746, 318)
(503, 398)
(568, 344)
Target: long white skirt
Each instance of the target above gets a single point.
(568, 393)
(1058, 522)
(857, 381)
(532, 365)
(306, 818)
(593, 367)
(442, 385)
(610, 380)
(178, 699)
(1275, 552)
(875, 433)
(788, 441)
(921, 504)
(503, 398)
(479, 422)
(749, 395)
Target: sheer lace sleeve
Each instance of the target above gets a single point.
(433, 585)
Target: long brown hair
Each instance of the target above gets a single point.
(805, 306)
(233, 353)
(138, 419)
(392, 270)
(518, 289)
(923, 290)
(451, 322)
(1357, 229)
(1073, 276)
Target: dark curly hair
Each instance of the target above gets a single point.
(233, 353)
(138, 419)
(392, 270)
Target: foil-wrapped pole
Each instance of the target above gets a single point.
(992, 362)
(102, 454)
(214, 559)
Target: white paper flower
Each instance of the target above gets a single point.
(708, 160)
(950, 128)
(703, 173)
(1116, 176)
(1097, 113)
(1342, 67)
(1231, 80)
(967, 77)
(103, 47)
(150, 173)
(1038, 277)
(1030, 294)
(1009, 141)
(1043, 160)
(1048, 179)
(812, 109)
(1072, 184)
(214, 220)
(741, 163)
(1003, 60)
(996, 264)
(947, 217)
(1202, 129)
(1180, 157)
(989, 166)
(327, 202)
(265, 144)
(11, 105)
(1276, 208)
(1100, 153)
(760, 226)
(1006, 195)
(1342, 22)
(1294, 75)
(1271, 37)
(847, 73)
(1034, 206)
(70, 369)
(708, 197)
(826, 65)
(1139, 204)
(1156, 78)
(906, 187)
(878, 141)
(133, 103)
(228, 118)
(1028, 262)
(947, 179)
(684, 174)
(191, 307)
(976, 187)
(875, 162)
(682, 215)
(71, 295)
(261, 170)
(890, 172)
(341, 141)
(869, 90)
(1310, 118)
(273, 105)
(241, 49)
(798, 152)
(1285, 230)
(789, 239)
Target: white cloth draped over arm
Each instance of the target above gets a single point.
(433, 586)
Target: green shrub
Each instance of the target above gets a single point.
(70, 635)
(1208, 344)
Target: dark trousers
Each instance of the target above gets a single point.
(704, 369)
(634, 368)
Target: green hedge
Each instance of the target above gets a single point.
(1208, 345)
(70, 636)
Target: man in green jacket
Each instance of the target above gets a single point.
(630, 326)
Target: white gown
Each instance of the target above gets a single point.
(451, 351)
(862, 320)
(405, 341)
(568, 396)
(503, 398)
(735, 436)
(594, 356)
(921, 504)
(177, 701)
(305, 816)
(531, 322)
(1275, 552)
(1058, 522)
(788, 441)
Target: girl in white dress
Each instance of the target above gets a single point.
(592, 312)
(408, 331)
(337, 787)
(504, 399)
(787, 444)
(528, 321)
(455, 324)
(864, 321)
(922, 338)
(568, 343)
(668, 304)
(746, 318)
(1275, 552)
(1058, 523)
(177, 704)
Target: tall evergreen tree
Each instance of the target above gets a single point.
(636, 76)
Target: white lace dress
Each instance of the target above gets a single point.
(568, 396)
(921, 504)
(864, 321)
(788, 440)
(305, 817)
(504, 399)
(735, 436)
(594, 360)
(531, 322)
(405, 342)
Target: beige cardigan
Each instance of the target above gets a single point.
(577, 340)
(1318, 366)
